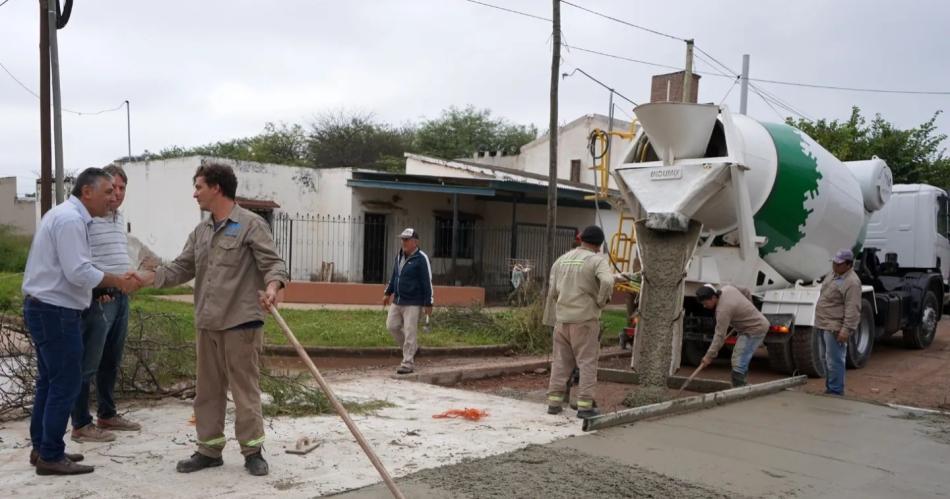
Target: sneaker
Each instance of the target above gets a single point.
(197, 462)
(404, 370)
(62, 467)
(588, 413)
(34, 456)
(118, 423)
(255, 464)
(92, 433)
(555, 409)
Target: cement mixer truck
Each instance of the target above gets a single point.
(774, 207)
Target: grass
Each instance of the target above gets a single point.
(13, 250)
(11, 299)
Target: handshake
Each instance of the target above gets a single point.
(129, 282)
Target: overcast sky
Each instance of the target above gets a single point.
(202, 71)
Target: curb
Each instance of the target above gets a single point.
(475, 351)
(456, 376)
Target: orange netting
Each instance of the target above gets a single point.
(467, 413)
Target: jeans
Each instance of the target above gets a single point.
(835, 354)
(57, 338)
(743, 351)
(104, 328)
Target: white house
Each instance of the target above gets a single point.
(16, 212)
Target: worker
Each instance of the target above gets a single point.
(837, 316)
(410, 292)
(734, 309)
(57, 287)
(232, 257)
(579, 288)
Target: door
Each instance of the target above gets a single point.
(942, 246)
(374, 248)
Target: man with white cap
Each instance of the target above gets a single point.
(837, 315)
(410, 292)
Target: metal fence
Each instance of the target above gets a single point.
(363, 249)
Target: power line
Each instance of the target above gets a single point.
(852, 89)
(34, 94)
(520, 13)
(621, 21)
(608, 87)
(4, 3)
(756, 91)
(622, 58)
(781, 103)
(724, 97)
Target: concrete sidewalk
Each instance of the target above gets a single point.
(785, 445)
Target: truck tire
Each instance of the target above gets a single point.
(693, 352)
(808, 352)
(922, 335)
(861, 343)
(780, 357)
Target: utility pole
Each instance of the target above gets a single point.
(46, 163)
(552, 142)
(57, 100)
(128, 128)
(688, 74)
(744, 88)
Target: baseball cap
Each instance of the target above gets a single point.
(409, 233)
(842, 256)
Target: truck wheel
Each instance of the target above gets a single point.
(780, 357)
(693, 352)
(808, 352)
(922, 335)
(861, 342)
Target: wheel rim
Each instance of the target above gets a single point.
(928, 322)
(862, 340)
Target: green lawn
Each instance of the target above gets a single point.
(347, 328)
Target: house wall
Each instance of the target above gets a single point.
(572, 144)
(161, 211)
(14, 211)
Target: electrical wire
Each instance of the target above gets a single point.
(520, 13)
(724, 97)
(621, 21)
(71, 111)
(62, 16)
(4, 3)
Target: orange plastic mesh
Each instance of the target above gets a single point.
(467, 413)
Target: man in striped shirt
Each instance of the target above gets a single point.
(105, 325)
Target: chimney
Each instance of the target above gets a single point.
(669, 88)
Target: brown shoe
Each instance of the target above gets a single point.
(34, 455)
(118, 423)
(62, 467)
(92, 433)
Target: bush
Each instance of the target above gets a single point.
(13, 250)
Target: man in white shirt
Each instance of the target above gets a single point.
(57, 287)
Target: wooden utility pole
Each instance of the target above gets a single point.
(552, 143)
(46, 158)
(688, 74)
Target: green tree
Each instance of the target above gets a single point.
(281, 144)
(357, 140)
(914, 154)
(459, 133)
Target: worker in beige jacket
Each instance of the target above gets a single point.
(734, 309)
(580, 286)
(837, 316)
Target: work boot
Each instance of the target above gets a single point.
(588, 413)
(738, 379)
(92, 433)
(404, 370)
(118, 423)
(555, 409)
(198, 462)
(62, 467)
(34, 455)
(255, 464)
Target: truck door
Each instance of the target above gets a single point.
(942, 241)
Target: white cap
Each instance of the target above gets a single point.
(409, 233)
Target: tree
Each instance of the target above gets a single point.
(459, 133)
(357, 140)
(281, 144)
(914, 155)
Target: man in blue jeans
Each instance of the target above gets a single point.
(837, 315)
(734, 308)
(57, 287)
(105, 325)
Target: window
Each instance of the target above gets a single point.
(942, 224)
(443, 237)
(575, 170)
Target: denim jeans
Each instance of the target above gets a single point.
(104, 328)
(57, 338)
(743, 351)
(835, 354)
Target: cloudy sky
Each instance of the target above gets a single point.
(201, 71)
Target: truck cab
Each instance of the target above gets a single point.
(914, 225)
